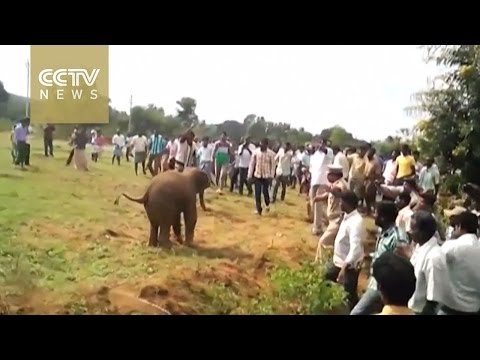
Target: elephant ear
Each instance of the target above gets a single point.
(201, 180)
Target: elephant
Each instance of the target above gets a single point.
(168, 196)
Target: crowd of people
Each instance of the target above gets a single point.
(417, 267)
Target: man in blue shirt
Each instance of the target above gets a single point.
(156, 148)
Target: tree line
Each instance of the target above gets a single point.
(151, 117)
(449, 130)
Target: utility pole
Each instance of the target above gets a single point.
(27, 104)
(130, 117)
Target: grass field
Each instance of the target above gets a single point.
(65, 248)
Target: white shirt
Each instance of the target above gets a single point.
(305, 159)
(206, 153)
(184, 152)
(341, 160)
(244, 159)
(462, 258)
(139, 143)
(449, 233)
(348, 247)
(118, 140)
(284, 162)
(429, 267)
(403, 219)
(389, 174)
(172, 149)
(319, 166)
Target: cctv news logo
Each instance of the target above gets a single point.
(75, 79)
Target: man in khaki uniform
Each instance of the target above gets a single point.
(356, 178)
(373, 172)
(334, 211)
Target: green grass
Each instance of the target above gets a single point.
(57, 254)
(66, 248)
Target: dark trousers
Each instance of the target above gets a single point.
(261, 187)
(70, 156)
(243, 172)
(350, 283)
(283, 180)
(48, 146)
(154, 164)
(22, 150)
(445, 310)
(27, 156)
(234, 179)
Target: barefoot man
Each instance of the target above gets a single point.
(334, 209)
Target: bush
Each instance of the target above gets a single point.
(306, 291)
(301, 291)
(451, 184)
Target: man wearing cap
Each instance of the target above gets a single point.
(334, 210)
(348, 247)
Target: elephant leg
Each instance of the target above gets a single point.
(164, 237)
(190, 217)
(153, 235)
(177, 229)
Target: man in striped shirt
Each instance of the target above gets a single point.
(156, 149)
(262, 170)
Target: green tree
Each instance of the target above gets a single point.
(451, 128)
(339, 136)
(186, 112)
(4, 95)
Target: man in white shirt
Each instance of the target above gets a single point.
(205, 153)
(184, 150)
(429, 177)
(284, 162)
(463, 268)
(172, 152)
(304, 170)
(140, 143)
(389, 170)
(245, 152)
(348, 248)
(405, 212)
(118, 142)
(429, 267)
(295, 168)
(319, 163)
(341, 160)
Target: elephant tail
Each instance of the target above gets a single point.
(140, 200)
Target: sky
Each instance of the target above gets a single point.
(363, 88)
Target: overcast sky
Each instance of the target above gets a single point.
(363, 88)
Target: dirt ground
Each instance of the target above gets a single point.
(65, 248)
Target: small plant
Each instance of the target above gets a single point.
(77, 308)
(224, 300)
(302, 291)
(306, 291)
